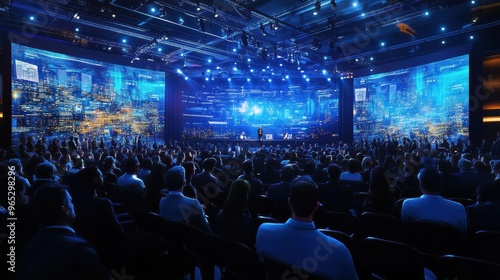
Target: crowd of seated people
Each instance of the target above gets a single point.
(103, 180)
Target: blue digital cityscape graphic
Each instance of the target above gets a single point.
(58, 95)
(430, 100)
(284, 111)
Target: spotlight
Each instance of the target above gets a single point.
(276, 26)
(317, 7)
(215, 13)
(198, 6)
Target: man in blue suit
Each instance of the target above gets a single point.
(57, 252)
(299, 245)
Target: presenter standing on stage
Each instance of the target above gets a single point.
(260, 133)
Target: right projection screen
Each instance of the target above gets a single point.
(429, 100)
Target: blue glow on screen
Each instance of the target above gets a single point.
(58, 95)
(218, 112)
(430, 100)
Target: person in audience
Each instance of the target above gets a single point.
(470, 178)
(109, 171)
(134, 186)
(380, 196)
(189, 190)
(206, 179)
(96, 220)
(155, 189)
(333, 195)
(431, 207)
(234, 221)
(495, 147)
(484, 214)
(145, 170)
(297, 240)
(178, 208)
(45, 172)
(408, 185)
(255, 183)
(57, 252)
(451, 186)
(281, 191)
(352, 173)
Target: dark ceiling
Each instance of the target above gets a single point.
(344, 36)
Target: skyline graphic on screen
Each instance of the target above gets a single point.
(58, 95)
(430, 100)
(283, 110)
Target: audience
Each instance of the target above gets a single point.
(178, 195)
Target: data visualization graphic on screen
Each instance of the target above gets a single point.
(58, 95)
(430, 100)
(284, 111)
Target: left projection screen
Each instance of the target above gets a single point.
(59, 95)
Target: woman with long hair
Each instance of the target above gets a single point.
(234, 221)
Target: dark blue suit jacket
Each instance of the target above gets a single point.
(58, 254)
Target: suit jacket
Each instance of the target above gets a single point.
(176, 207)
(483, 216)
(279, 191)
(295, 242)
(57, 254)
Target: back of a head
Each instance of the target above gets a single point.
(47, 202)
(175, 178)
(444, 166)
(209, 163)
(147, 163)
(247, 166)
(353, 165)
(310, 167)
(303, 198)
(108, 162)
(237, 198)
(131, 165)
(430, 181)
(334, 172)
(465, 164)
(287, 173)
(45, 170)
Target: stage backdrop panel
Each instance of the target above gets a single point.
(59, 95)
(430, 100)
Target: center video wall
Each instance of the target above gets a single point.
(285, 111)
(59, 95)
(430, 100)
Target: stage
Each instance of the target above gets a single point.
(255, 143)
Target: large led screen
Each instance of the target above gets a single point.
(58, 95)
(430, 100)
(284, 111)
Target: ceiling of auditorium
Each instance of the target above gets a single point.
(342, 35)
